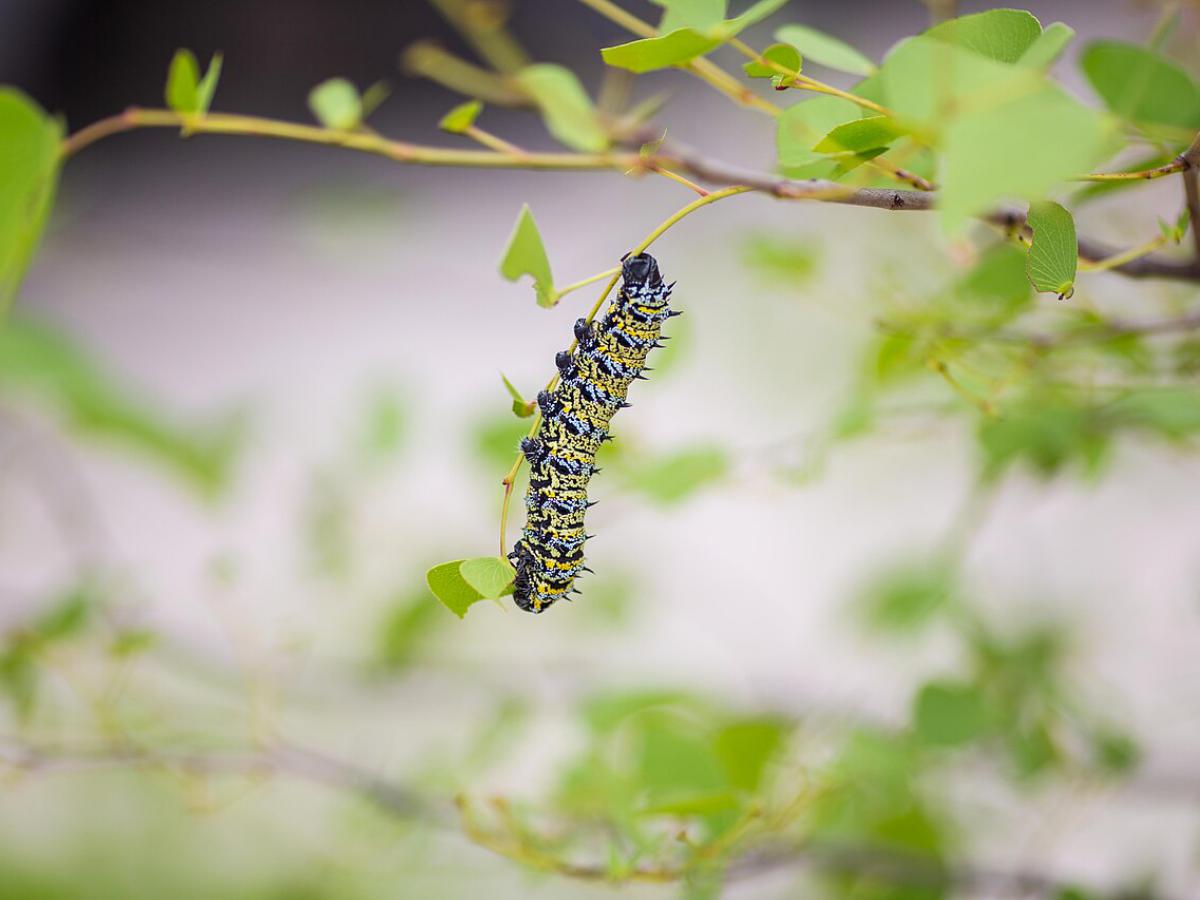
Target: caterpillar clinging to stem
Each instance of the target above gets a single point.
(593, 383)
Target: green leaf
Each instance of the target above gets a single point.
(66, 618)
(860, 135)
(29, 161)
(566, 108)
(908, 598)
(40, 363)
(949, 713)
(1052, 134)
(1141, 85)
(803, 125)
(526, 255)
(930, 82)
(208, 84)
(699, 14)
(676, 476)
(1047, 432)
(744, 749)
(521, 407)
(336, 104)
(491, 576)
(684, 44)
(183, 79)
(374, 96)
(449, 586)
(1054, 253)
(1172, 413)
(782, 55)
(1000, 34)
(461, 117)
(649, 54)
(825, 49)
(1049, 45)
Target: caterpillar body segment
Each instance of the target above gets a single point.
(593, 384)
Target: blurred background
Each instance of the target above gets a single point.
(284, 405)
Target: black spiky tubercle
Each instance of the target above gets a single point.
(593, 384)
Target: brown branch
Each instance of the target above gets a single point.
(672, 157)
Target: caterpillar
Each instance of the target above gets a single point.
(593, 383)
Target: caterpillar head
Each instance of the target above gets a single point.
(640, 269)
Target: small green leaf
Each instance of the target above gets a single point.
(1000, 34)
(449, 586)
(684, 44)
(183, 78)
(208, 84)
(521, 407)
(801, 126)
(1049, 45)
(526, 255)
(1141, 85)
(908, 598)
(374, 96)
(745, 748)
(336, 104)
(672, 49)
(948, 713)
(491, 576)
(860, 135)
(1054, 254)
(461, 117)
(29, 161)
(566, 107)
(783, 55)
(819, 47)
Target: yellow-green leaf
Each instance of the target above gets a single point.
(29, 163)
(784, 56)
(526, 255)
(1054, 254)
(208, 84)
(336, 104)
(183, 77)
(1048, 47)
(461, 117)
(860, 135)
(451, 588)
(672, 49)
(1141, 85)
(1000, 34)
(566, 108)
(491, 576)
(520, 406)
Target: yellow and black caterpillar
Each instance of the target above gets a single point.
(593, 383)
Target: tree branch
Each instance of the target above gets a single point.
(669, 156)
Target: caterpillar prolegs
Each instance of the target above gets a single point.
(593, 382)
